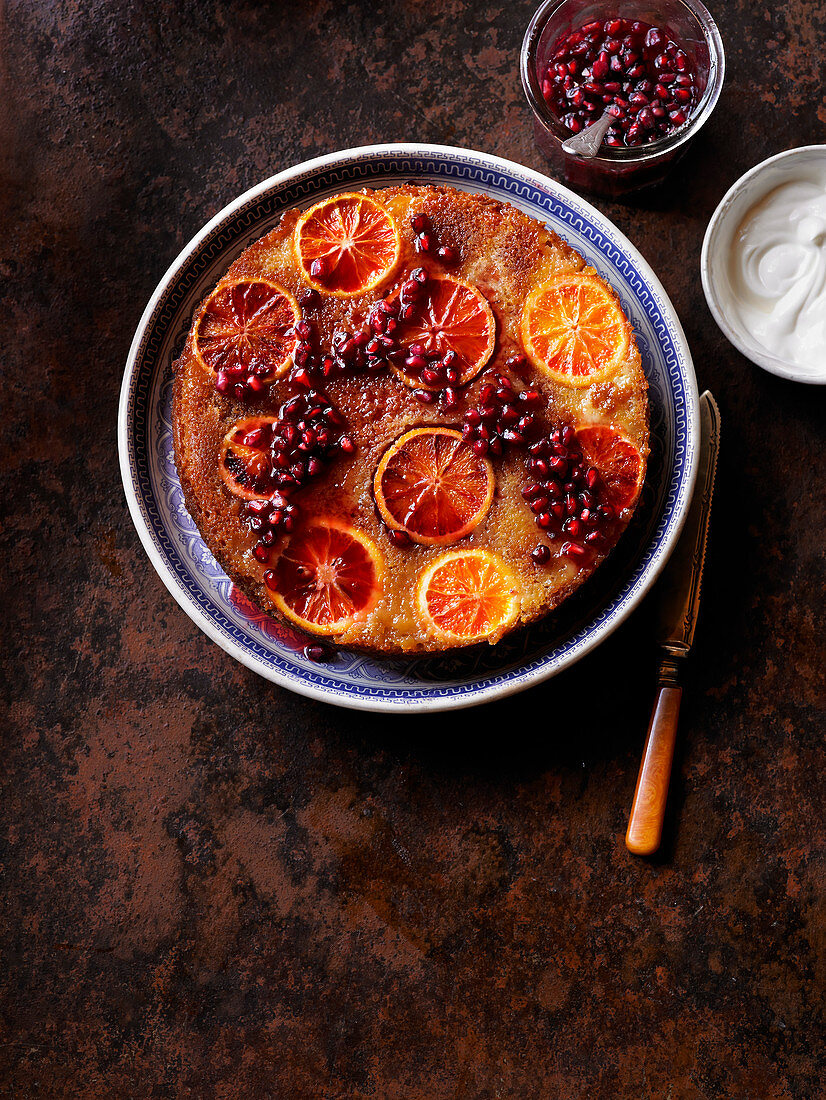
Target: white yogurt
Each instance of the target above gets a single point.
(777, 272)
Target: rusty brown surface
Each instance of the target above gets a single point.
(213, 888)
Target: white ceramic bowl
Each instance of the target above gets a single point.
(714, 270)
(451, 680)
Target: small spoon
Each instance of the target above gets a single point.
(587, 142)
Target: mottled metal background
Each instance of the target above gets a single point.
(212, 888)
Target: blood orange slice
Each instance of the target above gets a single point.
(244, 459)
(573, 328)
(328, 576)
(346, 245)
(452, 316)
(619, 463)
(467, 595)
(430, 484)
(248, 326)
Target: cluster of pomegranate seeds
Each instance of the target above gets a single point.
(308, 432)
(440, 372)
(410, 294)
(357, 352)
(566, 495)
(243, 385)
(642, 75)
(426, 241)
(503, 417)
(270, 519)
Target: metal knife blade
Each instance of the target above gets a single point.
(679, 587)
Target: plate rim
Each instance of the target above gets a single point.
(423, 703)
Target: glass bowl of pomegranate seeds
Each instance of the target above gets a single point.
(657, 70)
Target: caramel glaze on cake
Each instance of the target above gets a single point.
(504, 254)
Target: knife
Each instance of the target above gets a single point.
(679, 603)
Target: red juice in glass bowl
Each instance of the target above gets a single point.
(659, 70)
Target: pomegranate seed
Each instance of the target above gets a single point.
(254, 438)
(261, 553)
(541, 554)
(573, 550)
(309, 298)
(318, 269)
(420, 223)
(317, 652)
(448, 255)
(425, 242)
(401, 539)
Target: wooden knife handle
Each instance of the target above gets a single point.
(645, 825)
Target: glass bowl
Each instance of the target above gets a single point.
(617, 172)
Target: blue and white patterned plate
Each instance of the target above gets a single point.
(274, 651)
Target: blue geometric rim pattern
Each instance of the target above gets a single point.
(532, 655)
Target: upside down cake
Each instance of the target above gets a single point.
(410, 419)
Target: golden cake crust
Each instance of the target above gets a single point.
(505, 254)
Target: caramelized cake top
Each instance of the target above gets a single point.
(410, 419)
